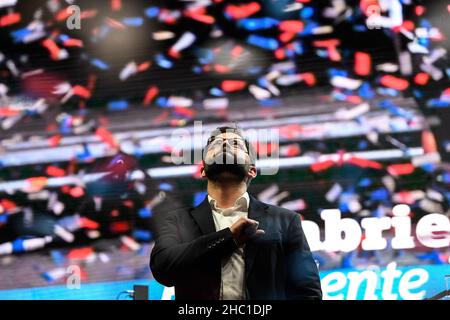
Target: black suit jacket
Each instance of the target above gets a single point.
(278, 265)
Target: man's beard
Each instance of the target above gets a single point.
(227, 170)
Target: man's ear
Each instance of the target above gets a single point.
(202, 170)
(252, 172)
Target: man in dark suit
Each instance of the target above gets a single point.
(233, 246)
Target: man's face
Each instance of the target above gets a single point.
(227, 157)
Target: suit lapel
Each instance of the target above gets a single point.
(202, 215)
(256, 211)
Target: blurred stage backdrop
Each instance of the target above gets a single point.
(358, 90)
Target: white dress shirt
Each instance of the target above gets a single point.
(233, 267)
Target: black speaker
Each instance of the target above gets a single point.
(140, 292)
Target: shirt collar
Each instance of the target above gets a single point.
(241, 204)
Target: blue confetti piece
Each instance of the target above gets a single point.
(18, 245)
(365, 182)
(142, 235)
(269, 102)
(254, 24)
(254, 70)
(118, 105)
(380, 194)
(446, 177)
(152, 12)
(306, 13)
(360, 28)
(20, 35)
(165, 186)
(206, 56)
(197, 69)
(417, 93)
(199, 197)
(163, 62)
(347, 260)
(57, 257)
(162, 102)
(387, 92)
(438, 103)
(365, 91)
(333, 72)
(133, 21)
(63, 37)
(308, 29)
(428, 167)
(216, 92)
(3, 219)
(99, 64)
(298, 48)
(263, 42)
(145, 213)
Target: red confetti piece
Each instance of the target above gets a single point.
(9, 19)
(184, 111)
(128, 204)
(419, 10)
(320, 166)
(8, 205)
(88, 223)
(220, 68)
(233, 85)
(394, 82)
(422, 78)
(161, 117)
(174, 54)
(144, 66)
(331, 46)
(364, 163)
(193, 14)
(369, 7)
(8, 112)
(353, 99)
(291, 26)
(63, 14)
(55, 171)
(237, 51)
(286, 37)
(400, 169)
(291, 150)
(52, 47)
(152, 92)
(88, 14)
(80, 254)
(77, 192)
(280, 54)
(120, 226)
(242, 11)
(408, 25)
(73, 43)
(309, 78)
(54, 140)
(81, 91)
(363, 63)
(107, 137)
(116, 5)
(114, 23)
(429, 144)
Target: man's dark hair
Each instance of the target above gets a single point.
(236, 130)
